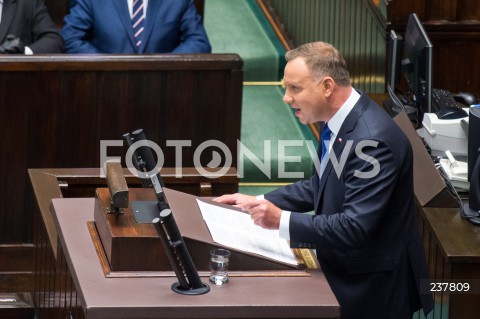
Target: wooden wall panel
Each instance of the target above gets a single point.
(54, 293)
(56, 110)
(359, 30)
(354, 27)
(454, 28)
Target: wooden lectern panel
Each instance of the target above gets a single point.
(135, 297)
(135, 247)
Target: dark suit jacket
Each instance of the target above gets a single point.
(364, 229)
(29, 20)
(104, 26)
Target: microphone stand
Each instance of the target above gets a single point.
(189, 282)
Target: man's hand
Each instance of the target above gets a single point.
(264, 213)
(236, 199)
(12, 44)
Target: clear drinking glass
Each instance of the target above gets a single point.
(219, 266)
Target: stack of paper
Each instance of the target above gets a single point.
(236, 229)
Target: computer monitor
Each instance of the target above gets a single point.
(395, 45)
(472, 208)
(473, 139)
(417, 63)
(393, 59)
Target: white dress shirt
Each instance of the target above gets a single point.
(334, 124)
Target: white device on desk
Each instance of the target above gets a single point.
(456, 171)
(442, 135)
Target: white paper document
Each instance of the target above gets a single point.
(237, 230)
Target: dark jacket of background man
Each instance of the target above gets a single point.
(171, 26)
(30, 21)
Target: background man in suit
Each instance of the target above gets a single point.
(107, 27)
(26, 27)
(364, 229)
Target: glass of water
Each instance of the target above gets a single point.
(219, 266)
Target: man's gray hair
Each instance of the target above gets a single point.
(323, 59)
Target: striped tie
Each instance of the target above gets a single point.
(138, 20)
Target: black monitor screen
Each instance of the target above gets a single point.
(417, 63)
(473, 139)
(393, 59)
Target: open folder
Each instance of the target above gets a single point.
(235, 229)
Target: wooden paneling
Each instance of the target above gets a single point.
(54, 293)
(433, 11)
(16, 281)
(454, 28)
(359, 31)
(454, 65)
(56, 110)
(453, 255)
(355, 28)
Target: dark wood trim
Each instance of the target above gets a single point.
(276, 24)
(16, 306)
(379, 19)
(54, 292)
(113, 62)
(16, 281)
(57, 183)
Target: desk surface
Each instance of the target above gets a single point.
(458, 239)
(243, 297)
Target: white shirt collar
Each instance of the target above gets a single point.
(338, 118)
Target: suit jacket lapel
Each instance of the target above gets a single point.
(341, 140)
(8, 12)
(124, 15)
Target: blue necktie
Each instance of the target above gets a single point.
(138, 21)
(326, 132)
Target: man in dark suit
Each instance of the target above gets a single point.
(364, 228)
(169, 26)
(26, 27)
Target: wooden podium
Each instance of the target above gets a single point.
(125, 245)
(261, 294)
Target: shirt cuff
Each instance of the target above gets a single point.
(260, 197)
(284, 229)
(28, 51)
